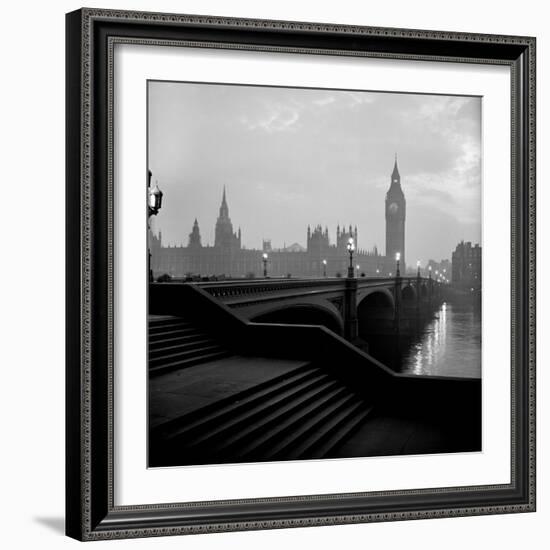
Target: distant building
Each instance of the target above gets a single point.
(229, 258)
(467, 266)
(442, 268)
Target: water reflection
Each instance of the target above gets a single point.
(450, 344)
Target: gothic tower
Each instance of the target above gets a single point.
(195, 236)
(224, 236)
(395, 219)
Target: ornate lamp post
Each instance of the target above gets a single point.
(264, 260)
(155, 200)
(397, 258)
(154, 204)
(430, 284)
(324, 268)
(351, 247)
(418, 292)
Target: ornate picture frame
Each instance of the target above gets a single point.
(91, 511)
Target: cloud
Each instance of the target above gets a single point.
(328, 100)
(278, 118)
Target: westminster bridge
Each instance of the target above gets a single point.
(350, 307)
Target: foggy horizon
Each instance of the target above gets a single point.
(291, 157)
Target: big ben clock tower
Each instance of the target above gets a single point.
(395, 220)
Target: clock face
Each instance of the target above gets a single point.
(393, 208)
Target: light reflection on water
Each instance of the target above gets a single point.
(450, 344)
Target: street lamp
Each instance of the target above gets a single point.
(377, 272)
(351, 247)
(324, 268)
(154, 203)
(155, 200)
(430, 271)
(418, 268)
(397, 258)
(264, 260)
(357, 267)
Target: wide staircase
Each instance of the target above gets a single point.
(279, 412)
(176, 343)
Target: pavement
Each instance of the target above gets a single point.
(180, 392)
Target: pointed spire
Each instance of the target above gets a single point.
(224, 210)
(395, 174)
(224, 201)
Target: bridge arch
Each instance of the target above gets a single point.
(375, 297)
(408, 293)
(303, 314)
(375, 314)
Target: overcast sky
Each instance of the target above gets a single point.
(292, 157)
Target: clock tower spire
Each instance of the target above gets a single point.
(395, 219)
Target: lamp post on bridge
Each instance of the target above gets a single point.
(264, 260)
(430, 284)
(324, 268)
(351, 247)
(350, 298)
(397, 258)
(154, 204)
(418, 293)
(397, 294)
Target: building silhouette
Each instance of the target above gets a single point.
(443, 267)
(395, 218)
(227, 257)
(466, 265)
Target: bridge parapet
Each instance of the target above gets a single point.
(230, 289)
(221, 289)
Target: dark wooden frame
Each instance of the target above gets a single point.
(91, 514)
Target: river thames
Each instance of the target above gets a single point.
(448, 345)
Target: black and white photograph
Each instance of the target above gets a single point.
(315, 273)
(300, 276)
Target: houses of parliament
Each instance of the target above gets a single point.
(228, 258)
